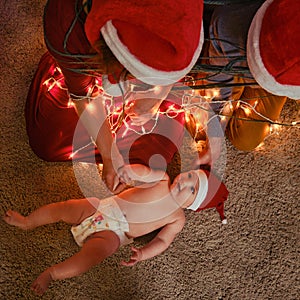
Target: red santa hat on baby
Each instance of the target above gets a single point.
(273, 51)
(157, 41)
(212, 193)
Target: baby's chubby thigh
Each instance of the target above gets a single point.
(102, 244)
(76, 210)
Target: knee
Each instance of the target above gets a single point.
(114, 241)
(247, 129)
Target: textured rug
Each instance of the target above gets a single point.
(254, 256)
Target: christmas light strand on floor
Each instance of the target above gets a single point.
(112, 108)
(187, 103)
(247, 108)
(191, 102)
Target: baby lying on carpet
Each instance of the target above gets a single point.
(102, 226)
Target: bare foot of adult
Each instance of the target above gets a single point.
(41, 284)
(14, 218)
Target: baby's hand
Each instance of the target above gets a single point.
(123, 173)
(136, 256)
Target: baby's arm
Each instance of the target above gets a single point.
(141, 173)
(159, 244)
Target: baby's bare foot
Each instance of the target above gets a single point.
(14, 218)
(41, 284)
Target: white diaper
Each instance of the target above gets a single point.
(107, 217)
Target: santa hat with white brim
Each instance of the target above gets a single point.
(155, 40)
(273, 51)
(211, 193)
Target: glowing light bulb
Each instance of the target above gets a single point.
(91, 107)
(247, 111)
(216, 93)
(223, 118)
(270, 128)
(187, 118)
(275, 128)
(70, 103)
(260, 146)
(157, 89)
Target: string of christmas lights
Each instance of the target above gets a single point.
(191, 102)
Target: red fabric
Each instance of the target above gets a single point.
(51, 124)
(58, 18)
(216, 195)
(279, 41)
(148, 26)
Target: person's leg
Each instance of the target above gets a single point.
(71, 212)
(228, 32)
(247, 135)
(51, 121)
(94, 251)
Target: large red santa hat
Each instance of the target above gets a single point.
(273, 51)
(157, 41)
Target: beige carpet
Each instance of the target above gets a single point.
(255, 256)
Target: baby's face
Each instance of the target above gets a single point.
(184, 188)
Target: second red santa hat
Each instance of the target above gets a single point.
(273, 51)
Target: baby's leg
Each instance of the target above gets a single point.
(41, 284)
(100, 246)
(14, 218)
(71, 211)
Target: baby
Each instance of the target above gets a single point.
(102, 226)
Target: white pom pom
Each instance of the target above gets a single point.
(224, 221)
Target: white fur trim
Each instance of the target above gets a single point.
(224, 222)
(256, 65)
(202, 190)
(139, 69)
